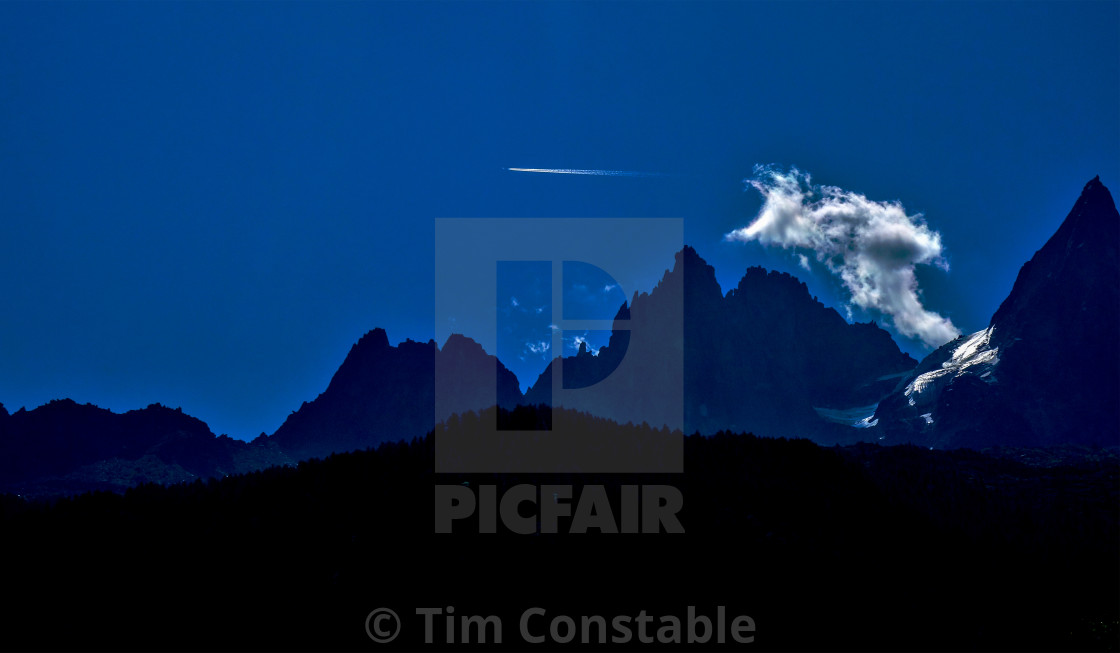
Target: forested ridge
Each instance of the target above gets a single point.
(860, 547)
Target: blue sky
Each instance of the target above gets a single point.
(206, 204)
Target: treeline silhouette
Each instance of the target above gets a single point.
(538, 439)
(857, 548)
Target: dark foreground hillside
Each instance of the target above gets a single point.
(857, 548)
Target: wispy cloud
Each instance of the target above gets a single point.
(539, 347)
(871, 246)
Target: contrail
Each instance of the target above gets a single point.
(599, 173)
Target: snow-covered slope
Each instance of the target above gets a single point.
(975, 355)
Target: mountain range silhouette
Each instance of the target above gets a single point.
(765, 357)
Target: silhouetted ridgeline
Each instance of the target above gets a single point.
(63, 447)
(827, 548)
(861, 547)
(760, 357)
(382, 393)
(764, 357)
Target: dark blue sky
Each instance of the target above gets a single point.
(206, 204)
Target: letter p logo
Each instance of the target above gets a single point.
(521, 287)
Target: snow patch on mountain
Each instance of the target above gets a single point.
(859, 417)
(975, 355)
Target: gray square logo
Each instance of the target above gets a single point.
(636, 380)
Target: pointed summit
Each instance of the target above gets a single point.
(374, 339)
(1047, 369)
(1095, 202)
(1082, 254)
(699, 277)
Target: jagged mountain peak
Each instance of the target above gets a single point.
(1074, 276)
(758, 281)
(1046, 370)
(386, 393)
(461, 344)
(699, 275)
(691, 272)
(374, 339)
(1095, 185)
(759, 358)
(1095, 204)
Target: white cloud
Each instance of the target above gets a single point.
(871, 246)
(513, 300)
(540, 347)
